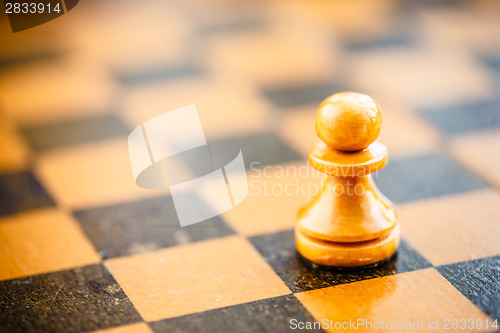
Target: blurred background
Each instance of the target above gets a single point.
(72, 89)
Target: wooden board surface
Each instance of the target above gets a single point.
(82, 248)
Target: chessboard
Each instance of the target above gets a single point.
(83, 248)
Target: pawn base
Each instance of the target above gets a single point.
(338, 254)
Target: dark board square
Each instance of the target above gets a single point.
(278, 250)
(138, 77)
(80, 299)
(297, 95)
(20, 192)
(479, 281)
(466, 117)
(410, 6)
(269, 315)
(425, 176)
(74, 131)
(143, 226)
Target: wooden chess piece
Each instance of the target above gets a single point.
(349, 223)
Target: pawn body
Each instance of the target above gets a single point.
(349, 223)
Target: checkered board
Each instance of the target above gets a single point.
(82, 248)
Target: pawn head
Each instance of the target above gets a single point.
(348, 121)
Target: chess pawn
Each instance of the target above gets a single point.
(349, 223)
